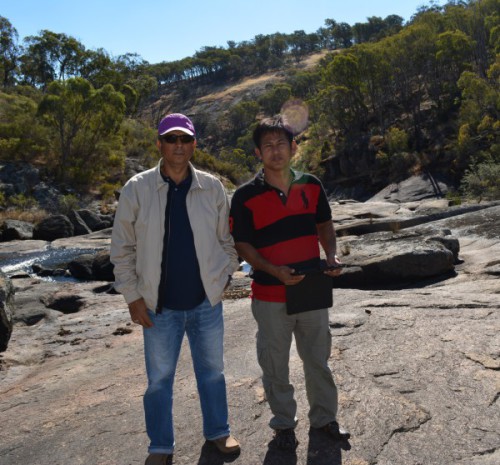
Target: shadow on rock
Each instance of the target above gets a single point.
(210, 455)
(277, 456)
(322, 450)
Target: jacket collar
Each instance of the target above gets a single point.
(196, 183)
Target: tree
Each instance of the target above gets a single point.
(376, 77)
(341, 96)
(342, 35)
(273, 100)
(241, 116)
(22, 137)
(84, 121)
(9, 52)
(51, 56)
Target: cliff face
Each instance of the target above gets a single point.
(417, 365)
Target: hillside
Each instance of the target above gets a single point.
(389, 101)
(215, 99)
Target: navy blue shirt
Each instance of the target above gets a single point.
(181, 287)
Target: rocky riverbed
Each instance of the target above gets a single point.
(416, 359)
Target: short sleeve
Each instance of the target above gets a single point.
(240, 220)
(323, 210)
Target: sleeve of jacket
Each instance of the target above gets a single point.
(123, 244)
(223, 232)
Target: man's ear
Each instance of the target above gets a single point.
(158, 144)
(257, 153)
(294, 147)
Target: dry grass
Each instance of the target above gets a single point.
(30, 216)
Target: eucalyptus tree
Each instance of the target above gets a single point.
(9, 52)
(51, 56)
(85, 123)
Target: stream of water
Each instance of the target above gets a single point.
(12, 264)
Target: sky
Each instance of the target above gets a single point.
(168, 31)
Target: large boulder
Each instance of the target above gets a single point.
(13, 230)
(102, 268)
(87, 267)
(53, 227)
(415, 188)
(93, 220)
(386, 260)
(6, 310)
(79, 225)
(81, 267)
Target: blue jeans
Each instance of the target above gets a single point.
(162, 344)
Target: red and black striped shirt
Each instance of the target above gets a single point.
(282, 228)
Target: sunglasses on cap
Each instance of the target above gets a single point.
(173, 138)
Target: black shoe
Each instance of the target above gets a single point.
(159, 459)
(285, 439)
(335, 431)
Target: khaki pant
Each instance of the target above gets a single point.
(313, 341)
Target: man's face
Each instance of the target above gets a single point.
(176, 151)
(275, 151)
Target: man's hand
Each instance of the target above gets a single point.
(284, 274)
(333, 260)
(139, 313)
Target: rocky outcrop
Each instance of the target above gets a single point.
(53, 227)
(94, 221)
(394, 259)
(415, 188)
(416, 364)
(12, 230)
(6, 303)
(18, 178)
(79, 226)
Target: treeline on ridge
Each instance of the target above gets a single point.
(387, 99)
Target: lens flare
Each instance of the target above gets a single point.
(296, 115)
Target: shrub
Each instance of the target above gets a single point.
(22, 202)
(397, 140)
(68, 202)
(482, 181)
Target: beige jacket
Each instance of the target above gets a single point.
(138, 230)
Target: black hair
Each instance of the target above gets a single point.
(274, 124)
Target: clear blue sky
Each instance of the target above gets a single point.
(164, 30)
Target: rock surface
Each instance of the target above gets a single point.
(417, 368)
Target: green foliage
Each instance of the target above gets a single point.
(482, 181)
(453, 197)
(242, 115)
(272, 101)
(68, 202)
(430, 87)
(85, 122)
(243, 163)
(204, 160)
(22, 202)
(107, 191)
(139, 142)
(9, 52)
(51, 56)
(396, 140)
(479, 134)
(22, 137)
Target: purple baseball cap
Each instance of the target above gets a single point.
(176, 122)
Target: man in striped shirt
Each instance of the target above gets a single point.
(276, 221)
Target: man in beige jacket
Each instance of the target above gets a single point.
(173, 257)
